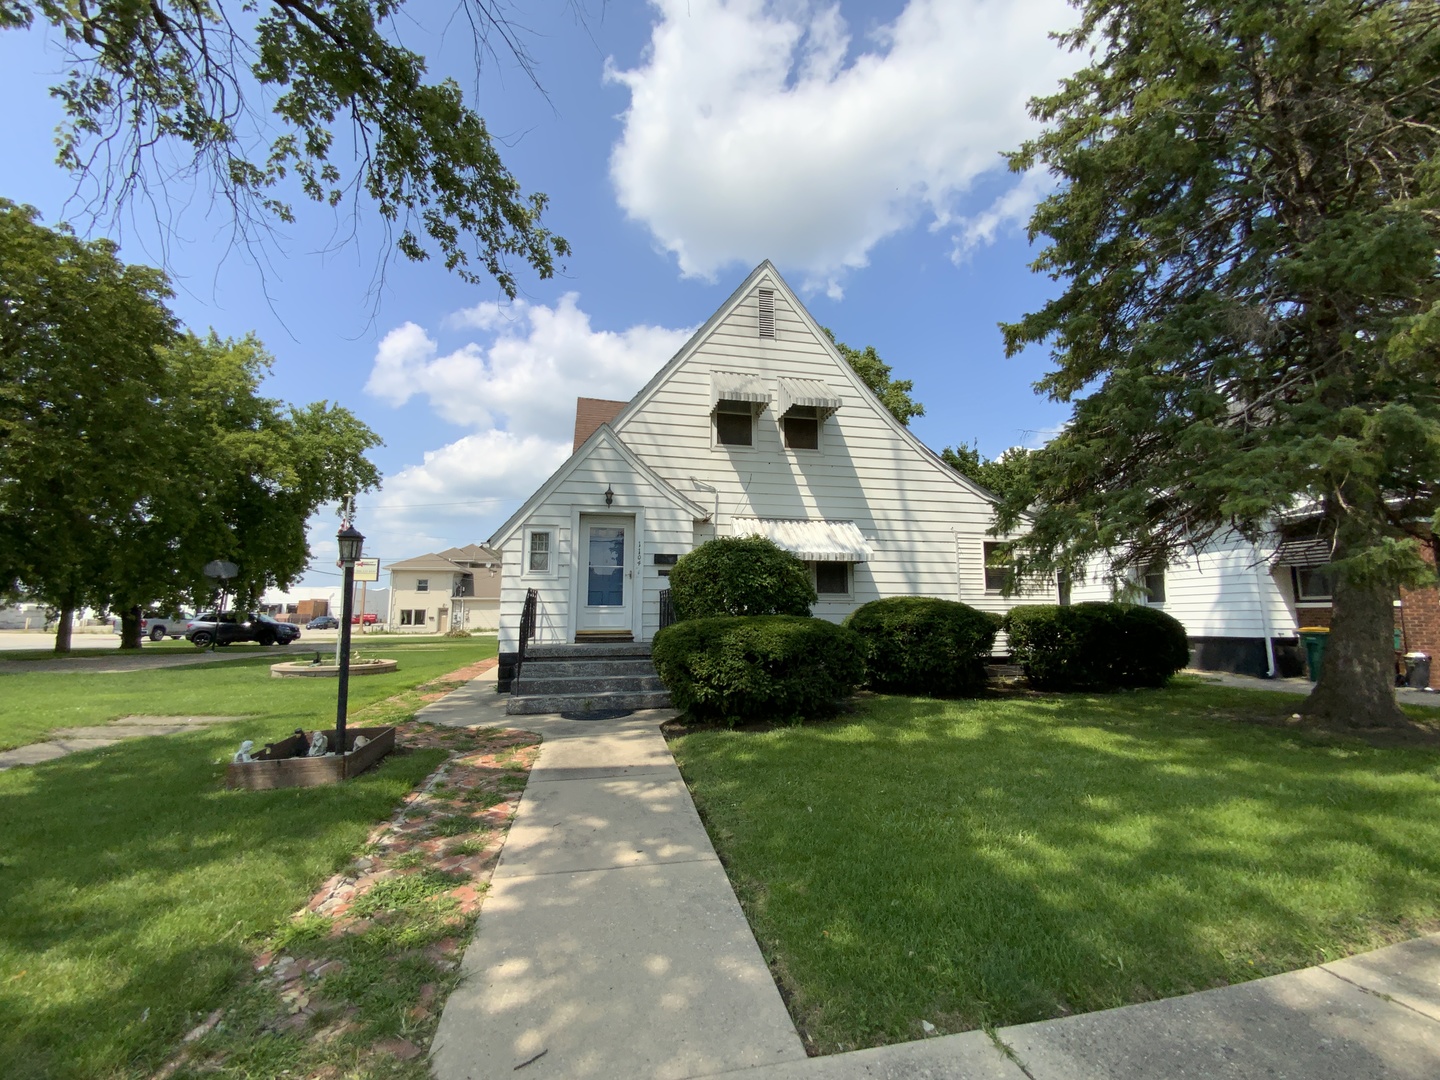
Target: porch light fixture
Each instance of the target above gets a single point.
(350, 542)
(609, 495)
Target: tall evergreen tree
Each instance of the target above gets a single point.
(1247, 233)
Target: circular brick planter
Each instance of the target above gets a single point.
(293, 669)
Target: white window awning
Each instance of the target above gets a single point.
(1305, 554)
(813, 541)
(737, 386)
(807, 393)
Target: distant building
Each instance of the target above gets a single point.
(458, 588)
(306, 602)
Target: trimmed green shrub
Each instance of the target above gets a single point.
(1096, 646)
(740, 575)
(923, 645)
(766, 667)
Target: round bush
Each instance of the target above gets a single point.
(1096, 646)
(768, 667)
(740, 575)
(923, 645)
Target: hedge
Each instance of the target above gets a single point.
(769, 667)
(1096, 646)
(740, 575)
(923, 645)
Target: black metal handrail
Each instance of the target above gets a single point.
(527, 626)
(667, 609)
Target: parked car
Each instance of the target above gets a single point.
(231, 626)
(323, 622)
(370, 618)
(157, 627)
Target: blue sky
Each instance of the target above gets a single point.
(681, 142)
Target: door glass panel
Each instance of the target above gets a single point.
(607, 567)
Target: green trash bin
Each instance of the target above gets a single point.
(1313, 638)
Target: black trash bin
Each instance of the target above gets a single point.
(1417, 671)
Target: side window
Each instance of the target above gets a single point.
(1312, 584)
(1062, 587)
(1154, 582)
(538, 555)
(422, 584)
(997, 566)
(734, 424)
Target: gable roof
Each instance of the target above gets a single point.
(471, 553)
(846, 371)
(590, 413)
(431, 561)
(604, 435)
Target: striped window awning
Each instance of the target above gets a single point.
(809, 394)
(1305, 554)
(737, 386)
(813, 541)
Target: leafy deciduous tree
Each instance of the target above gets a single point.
(1247, 233)
(894, 394)
(185, 77)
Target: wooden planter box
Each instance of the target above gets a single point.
(274, 767)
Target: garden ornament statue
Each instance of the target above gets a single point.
(304, 747)
(243, 754)
(317, 745)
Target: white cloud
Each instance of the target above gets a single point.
(515, 386)
(755, 130)
(1010, 210)
(526, 377)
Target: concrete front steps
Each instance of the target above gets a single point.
(586, 677)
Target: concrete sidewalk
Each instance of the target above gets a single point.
(611, 945)
(1403, 694)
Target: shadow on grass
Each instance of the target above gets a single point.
(131, 882)
(994, 861)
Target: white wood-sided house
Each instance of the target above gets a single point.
(756, 426)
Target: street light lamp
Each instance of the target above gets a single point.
(350, 543)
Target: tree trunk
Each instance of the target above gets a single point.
(1357, 679)
(130, 628)
(63, 630)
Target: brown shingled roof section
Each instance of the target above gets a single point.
(590, 413)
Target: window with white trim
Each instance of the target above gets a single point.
(412, 616)
(1153, 583)
(734, 423)
(831, 579)
(422, 584)
(997, 565)
(1313, 584)
(801, 428)
(538, 554)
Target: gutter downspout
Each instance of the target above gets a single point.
(1260, 575)
(715, 515)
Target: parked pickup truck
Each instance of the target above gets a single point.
(370, 618)
(159, 627)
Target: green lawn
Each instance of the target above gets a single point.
(33, 704)
(131, 882)
(1001, 861)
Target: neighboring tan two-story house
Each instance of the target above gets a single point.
(455, 589)
(757, 426)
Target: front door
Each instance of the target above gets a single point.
(606, 585)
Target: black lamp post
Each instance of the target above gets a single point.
(350, 542)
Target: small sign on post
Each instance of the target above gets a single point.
(367, 569)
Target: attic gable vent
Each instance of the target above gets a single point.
(767, 312)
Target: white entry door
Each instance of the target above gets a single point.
(606, 585)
